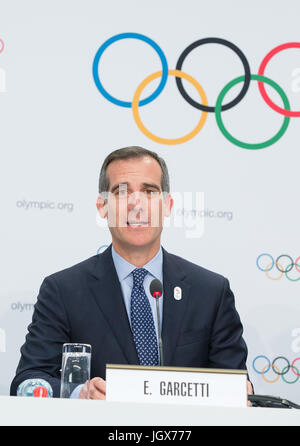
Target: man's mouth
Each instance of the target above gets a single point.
(135, 224)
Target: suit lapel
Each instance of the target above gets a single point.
(173, 310)
(107, 292)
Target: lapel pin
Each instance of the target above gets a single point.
(177, 293)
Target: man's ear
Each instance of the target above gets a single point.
(101, 205)
(168, 204)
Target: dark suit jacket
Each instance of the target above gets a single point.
(84, 304)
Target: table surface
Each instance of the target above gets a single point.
(22, 411)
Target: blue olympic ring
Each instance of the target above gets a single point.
(264, 357)
(100, 247)
(150, 42)
(262, 269)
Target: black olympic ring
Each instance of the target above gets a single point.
(234, 48)
(287, 367)
(289, 267)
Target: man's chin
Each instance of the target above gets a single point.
(139, 240)
(140, 236)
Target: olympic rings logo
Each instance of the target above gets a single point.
(101, 249)
(278, 265)
(275, 369)
(203, 106)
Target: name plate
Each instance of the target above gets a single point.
(176, 385)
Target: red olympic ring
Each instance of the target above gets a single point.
(2, 46)
(296, 264)
(282, 111)
(292, 366)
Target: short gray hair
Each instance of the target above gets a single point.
(133, 152)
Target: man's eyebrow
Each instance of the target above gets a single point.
(154, 186)
(145, 185)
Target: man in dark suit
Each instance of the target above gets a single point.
(91, 302)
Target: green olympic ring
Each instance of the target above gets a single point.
(242, 144)
(287, 270)
(283, 373)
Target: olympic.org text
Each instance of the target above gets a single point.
(189, 211)
(19, 306)
(42, 205)
(206, 213)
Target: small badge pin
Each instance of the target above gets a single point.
(177, 293)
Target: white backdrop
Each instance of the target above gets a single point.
(56, 128)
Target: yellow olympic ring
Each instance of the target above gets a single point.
(136, 116)
(271, 380)
(274, 278)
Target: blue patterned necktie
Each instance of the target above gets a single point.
(142, 323)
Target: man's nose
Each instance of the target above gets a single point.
(137, 200)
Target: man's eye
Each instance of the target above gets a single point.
(152, 192)
(121, 192)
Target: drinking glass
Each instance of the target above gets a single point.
(75, 368)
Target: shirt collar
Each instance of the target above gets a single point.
(124, 268)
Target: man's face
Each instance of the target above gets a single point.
(135, 205)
